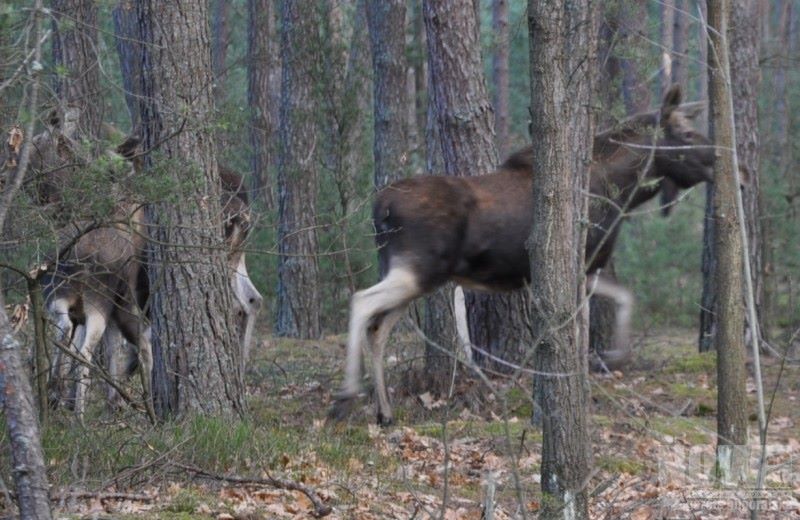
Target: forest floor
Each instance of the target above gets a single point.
(652, 430)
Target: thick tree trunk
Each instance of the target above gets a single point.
(500, 73)
(563, 49)
(386, 21)
(464, 122)
(260, 63)
(298, 305)
(745, 78)
(731, 376)
(195, 347)
(75, 48)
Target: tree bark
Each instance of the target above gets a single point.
(195, 347)
(260, 63)
(563, 49)
(464, 124)
(298, 306)
(680, 43)
(745, 79)
(731, 376)
(130, 50)
(75, 56)
(500, 75)
(386, 20)
(220, 38)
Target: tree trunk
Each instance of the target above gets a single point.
(386, 20)
(667, 38)
(260, 63)
(563, 49)
(680, 43)
(745, 76)
(731, 394)
(220, 38)
(16, 402)
(464, 123)
(500, 73)
(130, 49)
(298, 306)
(195, 347)
(75, 57)
(705, 341)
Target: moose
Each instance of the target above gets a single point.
(98, 282)
(472, 230)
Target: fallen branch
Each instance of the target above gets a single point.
(320, 509)
(100, 495)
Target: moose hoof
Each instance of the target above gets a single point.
(342, 407)
(385, 420)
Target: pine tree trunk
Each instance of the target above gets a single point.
(220, 38)
(130, 49)
(464, 123)
(667, 38)
(195, 347)
(745, 76)
(75, 53)
(260, 63)
(298, 305)
(680, 43)
(563, 50)
(731, 376)
(500, 75)
(386, 21)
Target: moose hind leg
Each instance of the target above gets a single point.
(396, 289)
(383, 329)
(94, 328)
(136, 330)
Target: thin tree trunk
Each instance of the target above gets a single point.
(680, 43)
(705, 341)
(500, 73)
(563, 49)
(220, 38)
(298, 305)
(386, 21)
(731, 393)
(667, 37)
(130, 49)
(75, 48)
(195, 347)
(260, 62)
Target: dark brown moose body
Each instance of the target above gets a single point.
(472, 230)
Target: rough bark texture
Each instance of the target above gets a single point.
(745, 77)
(75, 56)
(563, 47)
(260, 28)
(195, 349)
(19, 412)
(500, 73)
(130, 51)
(386, 19)
(731, 394)
(298, 305)
(464, 124)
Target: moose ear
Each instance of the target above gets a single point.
(672, 100)
(693, 109)
(130, 147)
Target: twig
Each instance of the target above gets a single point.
(320, 509)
